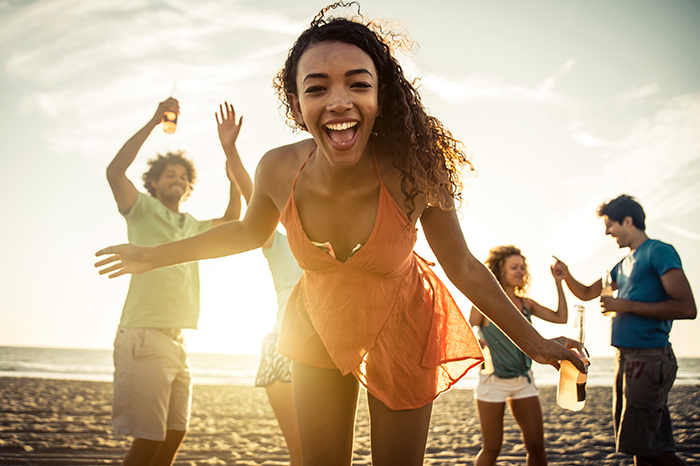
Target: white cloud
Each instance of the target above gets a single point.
(549, 83)
(588, 140)
(681, 231)
(53, 41)
(637, 93)
(93, 65)
(658, 162)
(479, 87)
(487, 88)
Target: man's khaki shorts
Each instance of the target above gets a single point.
(152, 383)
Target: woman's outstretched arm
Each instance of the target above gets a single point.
(472, 278)
(228, 238)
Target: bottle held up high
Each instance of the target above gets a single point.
(571, 393)
(170, 117)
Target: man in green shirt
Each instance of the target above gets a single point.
(152, 377)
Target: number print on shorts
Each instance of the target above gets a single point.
(637, 366)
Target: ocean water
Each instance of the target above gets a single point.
(237, 369)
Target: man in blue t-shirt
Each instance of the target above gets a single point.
(653, 291)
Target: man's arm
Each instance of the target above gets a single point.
(680, 305)
(233, 210)
(241, 183)
(124, 191)
(581, 291)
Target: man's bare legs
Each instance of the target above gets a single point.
(153, 453)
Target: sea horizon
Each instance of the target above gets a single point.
(240, 369)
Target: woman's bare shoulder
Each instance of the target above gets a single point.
(283, 158)
(278, 168)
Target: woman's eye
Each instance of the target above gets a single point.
(361, 84)
(313, 89)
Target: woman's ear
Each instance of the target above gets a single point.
(296, 110)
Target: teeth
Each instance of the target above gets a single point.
(341, 126)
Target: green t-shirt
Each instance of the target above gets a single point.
(508, 360)
(166, 297)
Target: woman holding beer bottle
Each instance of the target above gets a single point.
(509, 377)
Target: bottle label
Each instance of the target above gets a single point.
(581, 391)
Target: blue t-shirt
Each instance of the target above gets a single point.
(638, 278)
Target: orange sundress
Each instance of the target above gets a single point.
(383, 315)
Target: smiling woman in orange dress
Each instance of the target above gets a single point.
(367, 310)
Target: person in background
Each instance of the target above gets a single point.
(368, 310)
(653, 291)
(275, 371)
(510, 377)
(152, 374)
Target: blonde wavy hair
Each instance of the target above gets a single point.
(496, 261)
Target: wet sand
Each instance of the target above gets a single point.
(64, 422)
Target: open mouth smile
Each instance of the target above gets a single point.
(342, 134)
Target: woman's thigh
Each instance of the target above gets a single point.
(491, 422)
(398, 437)
(528, 414)
(326, 402)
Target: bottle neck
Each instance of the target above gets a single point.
(579, 331)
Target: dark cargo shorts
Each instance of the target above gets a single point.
(643, 378)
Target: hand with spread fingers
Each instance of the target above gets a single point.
(227, 126)
(124, 259)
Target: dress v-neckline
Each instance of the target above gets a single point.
(382, 193)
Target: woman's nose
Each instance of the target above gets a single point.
(339, 101)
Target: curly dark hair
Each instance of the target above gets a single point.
(623, 206)
(157, 165)
(496, 261)
(426, 154)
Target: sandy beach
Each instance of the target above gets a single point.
(64, 422)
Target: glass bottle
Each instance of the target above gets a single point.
(170, 118)
(571, 393)
(607, 290)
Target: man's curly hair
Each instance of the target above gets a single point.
(496, 261)
(157, 166)
(426, 154)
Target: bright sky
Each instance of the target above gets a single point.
(564, 104)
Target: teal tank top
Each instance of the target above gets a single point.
(508, 361)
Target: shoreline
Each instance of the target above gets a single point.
(62, 422)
